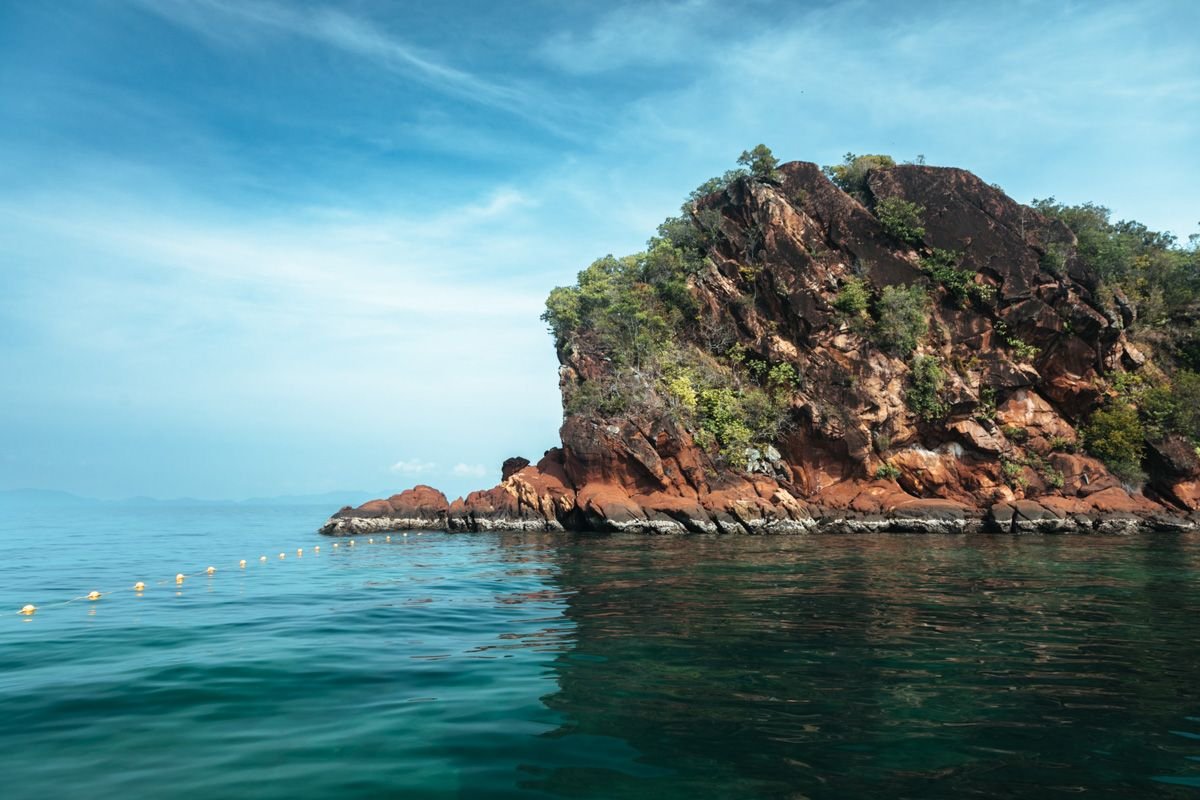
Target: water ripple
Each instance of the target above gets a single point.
(595, 666)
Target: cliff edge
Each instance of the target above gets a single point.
(902, 347)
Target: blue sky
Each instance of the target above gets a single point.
(252, 248)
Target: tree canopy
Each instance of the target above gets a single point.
(760, 161)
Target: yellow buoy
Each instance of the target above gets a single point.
(262, 558)
(29, 609)
(242, 563)
(211, 570)
(317, 549)
(335, 544)
(139, 587)
(93, 595)
(283, 555)
(388, 539)
(352, 543)
(300, 552)
(179, 578)
(370, 541)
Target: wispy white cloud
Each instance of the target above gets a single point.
(375, 263)
(227, 261)
(237, 22)
(1024, 94)
(413, 466)
(637, 34)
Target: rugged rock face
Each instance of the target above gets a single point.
(1022, 359)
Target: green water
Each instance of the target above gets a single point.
(496, 665)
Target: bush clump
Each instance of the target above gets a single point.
(901, 219)
(1023, 350)
(903, 319)
(1015, 433)
(1054, 259)
(721, 414)
(1115, 435)
(943, 267)
(1054, 478)
(730, 404)
(887, 472)
(783, 378)
(1186, 393)
(1014, 473)
(924, 395)
(1165, 406)
(609, 399)
(1062, 444)
(853, 298)
(680, 388)
(851, 175)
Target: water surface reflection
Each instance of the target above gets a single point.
(853, 666)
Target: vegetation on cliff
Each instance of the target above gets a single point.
(1156, 283)
(638, 313)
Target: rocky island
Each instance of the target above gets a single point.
(869, 346)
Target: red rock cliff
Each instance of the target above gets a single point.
(1020, 349)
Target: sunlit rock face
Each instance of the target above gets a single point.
(1020, 353)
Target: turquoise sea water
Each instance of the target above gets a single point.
(495, 665)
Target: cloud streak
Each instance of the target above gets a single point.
(289, 229)
(641, 34)
(364, 39)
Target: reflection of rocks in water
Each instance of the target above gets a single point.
(832, 667)
(543, 596)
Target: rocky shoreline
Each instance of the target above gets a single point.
(424, 508)
(1006, 520)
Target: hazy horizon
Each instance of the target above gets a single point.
(256, 249)
(26, 495)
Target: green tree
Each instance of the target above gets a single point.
(760, 161)
(562, 312)
(631, 305)
(1149, 267)
(714, 185)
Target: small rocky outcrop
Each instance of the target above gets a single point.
(1021, 349)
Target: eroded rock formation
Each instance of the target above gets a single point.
(1022, 359)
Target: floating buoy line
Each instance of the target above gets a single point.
(139, 588)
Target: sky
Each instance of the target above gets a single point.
(253, 248)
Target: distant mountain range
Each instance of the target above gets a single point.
(50, 498)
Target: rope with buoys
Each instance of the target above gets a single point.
(139, 588)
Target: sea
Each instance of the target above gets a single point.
(433, 665)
